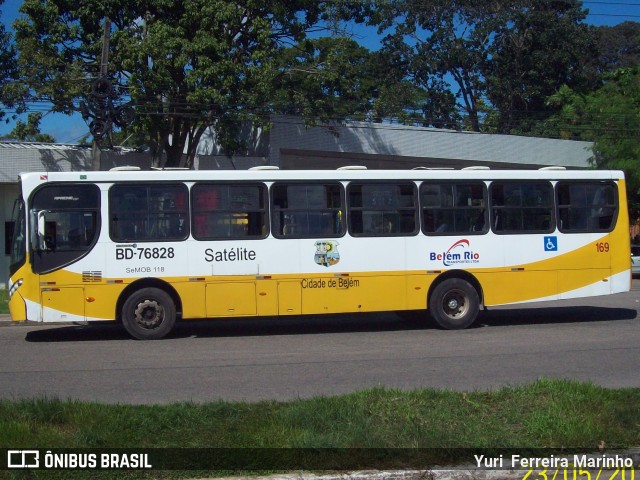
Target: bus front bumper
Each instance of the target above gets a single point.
(17, 305)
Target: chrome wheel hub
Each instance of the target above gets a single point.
(149, 314)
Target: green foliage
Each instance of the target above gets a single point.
(12, 94)
(541, 46)
(434, 42)
(618, 47)
(511, 66)
(504, 58)
(608, 116)
(53, 54)
(614, 113)
(186, 66)
(30, 131)
(560, 415)
(335, 78)
(4, 301)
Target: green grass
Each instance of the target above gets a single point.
(4, 301)
(546, 414)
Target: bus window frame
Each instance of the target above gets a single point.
(494, 218)
(186, 211)
(276, 211)
(264, 192)
(616, 205)
(483, 209)
(383, 233)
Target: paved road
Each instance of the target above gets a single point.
(589, 340)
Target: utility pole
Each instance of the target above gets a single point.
(104, 70)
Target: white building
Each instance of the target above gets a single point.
(289, 144)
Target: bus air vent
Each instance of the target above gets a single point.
(91, 276)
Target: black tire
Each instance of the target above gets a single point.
(149, 314)
(454, 304)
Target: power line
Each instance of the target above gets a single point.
(604, 133)
(627, 4)
(613, 15)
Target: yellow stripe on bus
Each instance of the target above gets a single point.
(220, 296)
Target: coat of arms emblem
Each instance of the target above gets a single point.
(327, 253)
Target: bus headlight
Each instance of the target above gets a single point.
(14, 286)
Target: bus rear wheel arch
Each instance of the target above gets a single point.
(148, 313)
(454, 303)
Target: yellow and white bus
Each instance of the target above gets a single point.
(149, 248)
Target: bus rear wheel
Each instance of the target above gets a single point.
(149, 314)
(454, 304)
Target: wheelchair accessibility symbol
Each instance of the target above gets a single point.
(550, 244)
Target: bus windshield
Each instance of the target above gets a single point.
(67, 221)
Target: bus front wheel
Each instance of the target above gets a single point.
(149, 314)
(454, 304)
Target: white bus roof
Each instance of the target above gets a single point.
(32, 179)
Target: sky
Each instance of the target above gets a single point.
(69, 129)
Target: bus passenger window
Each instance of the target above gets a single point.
(229, 210)
(307, 210)
(383, 209)
(586, 206)
(522, 207)
(148, 212)
(453, 207)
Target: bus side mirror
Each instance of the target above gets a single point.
(38, 238)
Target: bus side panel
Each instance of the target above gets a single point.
(572, 270)
(621, 246)
(192, 296)
(55, 303)
(504, 286)
(289, 297)
(361, 293)
(225, 299)
(417, 289)
(586, 270)
(101, 300)
(267, 297)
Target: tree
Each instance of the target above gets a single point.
(609, 117)
(618, 47)
(542, 46)
(613, 113)
(12, 94)
(185, 65)
(440, 49)
(332, 78)
(498, 59)
(30, 131)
